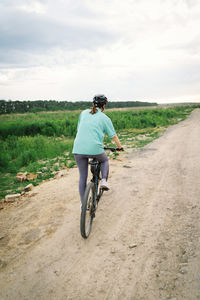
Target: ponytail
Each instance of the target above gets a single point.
(93, 110)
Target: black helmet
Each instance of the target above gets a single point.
(99, 100)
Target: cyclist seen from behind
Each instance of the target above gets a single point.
(93, 124)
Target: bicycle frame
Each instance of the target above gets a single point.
(95, 168)
(92, 196)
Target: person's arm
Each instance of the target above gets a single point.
(117, 142)
(109, 129)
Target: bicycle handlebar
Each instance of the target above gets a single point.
(113, 149)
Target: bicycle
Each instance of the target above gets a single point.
(93, 193)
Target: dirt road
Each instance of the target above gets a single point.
(145, 241)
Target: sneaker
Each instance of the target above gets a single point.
(104, 185)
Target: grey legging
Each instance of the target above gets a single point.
(82, 163)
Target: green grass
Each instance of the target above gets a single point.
(135, 138)
(65, 123)
(140, 138)
(42, 142)
(17, 152)
(32, 154)
(46, 169)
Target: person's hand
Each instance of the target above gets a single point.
(121, 149)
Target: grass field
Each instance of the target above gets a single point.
(42, 142)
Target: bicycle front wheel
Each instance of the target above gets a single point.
(87, 212)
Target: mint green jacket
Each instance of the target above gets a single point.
(90, 132)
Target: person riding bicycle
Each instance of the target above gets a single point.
(92, 126)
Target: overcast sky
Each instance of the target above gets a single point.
(146, 50)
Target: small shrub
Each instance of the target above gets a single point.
(27, 157)
(4, 161)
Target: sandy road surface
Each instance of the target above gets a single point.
(154, 203)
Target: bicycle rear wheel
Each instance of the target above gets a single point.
(87, 212)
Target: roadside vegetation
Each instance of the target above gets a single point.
(41, 143)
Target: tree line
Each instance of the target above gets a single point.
(7, 107)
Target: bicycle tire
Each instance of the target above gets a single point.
(87, 212)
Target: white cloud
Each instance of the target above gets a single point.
(33, 7)
(127, 49)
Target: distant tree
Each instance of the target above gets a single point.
(7, 107)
